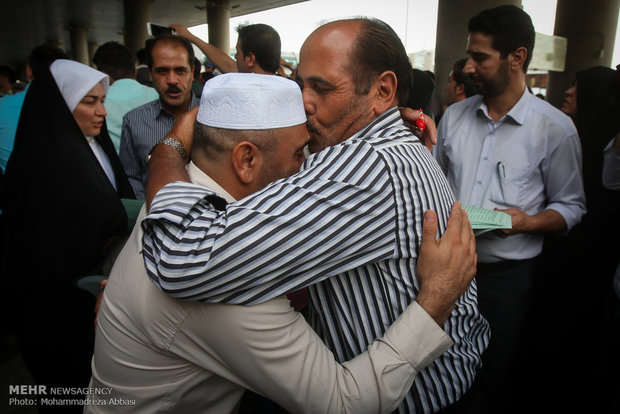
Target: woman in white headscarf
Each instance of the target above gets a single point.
(62, 216)
(84, 89)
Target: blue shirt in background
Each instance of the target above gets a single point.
(10, 109)
(123, 96)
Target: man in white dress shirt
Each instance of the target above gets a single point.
(507, 149)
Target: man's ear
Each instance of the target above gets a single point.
(385, 91)
(459, 89)
(518, 58)
(247, 160)
(250, 60)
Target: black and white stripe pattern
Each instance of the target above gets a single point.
(351, 220)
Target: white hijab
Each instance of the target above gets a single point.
(75, 80)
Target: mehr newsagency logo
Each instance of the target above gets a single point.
(41, 395)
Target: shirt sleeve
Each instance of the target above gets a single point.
(611, 167)
(564, 182)
(129, 159)
(335, 215)
(286, 361)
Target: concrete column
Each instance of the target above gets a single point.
(79, 44)
(218, 20)
(451, 42)
(137, 14)
(92, 48)
(591, 31)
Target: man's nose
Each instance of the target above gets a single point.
(309, 105)
(469, 66)
(172, 77)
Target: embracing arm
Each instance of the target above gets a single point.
(270, 349)
(429, 135)
(286, 361)
(446, 266)
(294, 233)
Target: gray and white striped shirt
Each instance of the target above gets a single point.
(348, 226)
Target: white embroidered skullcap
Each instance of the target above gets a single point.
(75, 80)
(251, 101)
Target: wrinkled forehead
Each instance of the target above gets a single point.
(169, 50)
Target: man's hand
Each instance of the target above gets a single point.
(165, 165)
(429, 136)
(220, 59)
(183, 129)
(547, 221)
(182, 31)
(445, 266)
(519, 222)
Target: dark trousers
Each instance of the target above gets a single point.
(505, 299)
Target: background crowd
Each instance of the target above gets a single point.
(544, 308)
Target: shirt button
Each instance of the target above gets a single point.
(486, 158)
(479, 182)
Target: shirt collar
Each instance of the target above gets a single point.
(160, 111)
(123, 82)
(391, 118)
(197, 176)
(517, 113)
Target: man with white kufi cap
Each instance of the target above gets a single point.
(154, 350)
(263, 117)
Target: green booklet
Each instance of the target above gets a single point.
(484, 219)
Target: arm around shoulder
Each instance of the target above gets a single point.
(286, 361)
(446, 266)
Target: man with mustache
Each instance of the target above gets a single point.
(508, 150)
(170, 59)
